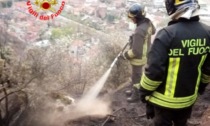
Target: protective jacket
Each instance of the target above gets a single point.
(179, 60)
(140, 41)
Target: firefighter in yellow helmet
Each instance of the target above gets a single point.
(140, 42)
(178, 65)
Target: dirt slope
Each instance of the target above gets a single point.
(133, 114)
(134, 111)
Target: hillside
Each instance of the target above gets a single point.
(47, 67)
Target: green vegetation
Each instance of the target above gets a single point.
(61, 32)
(73, 17)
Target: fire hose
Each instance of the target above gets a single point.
(116, 58)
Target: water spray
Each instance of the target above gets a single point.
(94, 91)
(89, 104)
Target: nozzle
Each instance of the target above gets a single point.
(115, 60)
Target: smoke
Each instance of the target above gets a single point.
(62, 114)
(60, 109)
(96, 107)
(96, 88)
(88, 105)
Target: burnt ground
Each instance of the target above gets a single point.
(133, 114)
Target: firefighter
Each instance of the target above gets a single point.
(178, 65)
(139, 44)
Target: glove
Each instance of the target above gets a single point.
(202, 88)
(150, 112)
(143, 98)
(143, 93)
(122, 56)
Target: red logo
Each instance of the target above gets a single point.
(36, 7)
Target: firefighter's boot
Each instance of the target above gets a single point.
(128, 92)
(135, 96)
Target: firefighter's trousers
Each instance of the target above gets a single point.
(170, 117)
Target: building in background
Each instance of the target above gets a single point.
(158, 3)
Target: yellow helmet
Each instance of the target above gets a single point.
(173, 5)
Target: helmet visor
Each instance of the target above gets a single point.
(130, 15)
